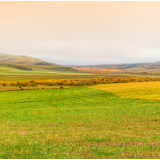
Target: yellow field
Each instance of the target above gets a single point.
(137, 90)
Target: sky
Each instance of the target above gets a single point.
(81, 32)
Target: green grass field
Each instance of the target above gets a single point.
(77, 123)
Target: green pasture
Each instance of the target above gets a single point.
(77, 123)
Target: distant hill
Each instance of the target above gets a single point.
(22, 59)
(34, 64)
(29, 63)
(130, 66)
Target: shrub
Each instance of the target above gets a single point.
(33, 84)
(32, 81)
(12, 84)
(24, 84)
(50, 83)
(60, 83)
(4, 84)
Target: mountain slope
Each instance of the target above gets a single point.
(22, 60)
(131, 66)
(29, 63)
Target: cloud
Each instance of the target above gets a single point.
(81, 32)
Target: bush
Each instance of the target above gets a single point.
(51, 83)
(12, 84)
(4, 84)
(24, 84)
(32, 81)
(33, 84)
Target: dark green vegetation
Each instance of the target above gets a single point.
(77, 123)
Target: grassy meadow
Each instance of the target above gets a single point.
(118, 120)
(85, 122)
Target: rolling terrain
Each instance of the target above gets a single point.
(12, 62)
(18, 59)
(154, 66)
(87, 123)
(106, 120)
(33, 64)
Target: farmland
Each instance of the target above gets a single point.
(81, 122)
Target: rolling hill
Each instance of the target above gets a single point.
(29, 63)
(18, 59)
(131, 66)
(33, 64)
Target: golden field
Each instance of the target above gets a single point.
(133, 90)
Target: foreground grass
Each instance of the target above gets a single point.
(77, 123)
(137, 90)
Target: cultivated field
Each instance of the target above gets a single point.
(103, 121)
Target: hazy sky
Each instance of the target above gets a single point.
(82, 32)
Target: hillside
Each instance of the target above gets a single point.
(130, 66)
(8, 58)
(29, 63)
(33, 64)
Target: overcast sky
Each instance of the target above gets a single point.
(81, 32)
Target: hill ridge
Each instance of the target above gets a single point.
(22, 59)
(23, 62)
